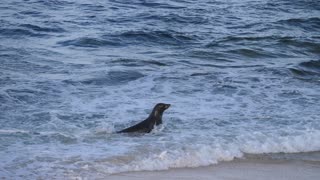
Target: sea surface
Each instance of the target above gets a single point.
(242, 78)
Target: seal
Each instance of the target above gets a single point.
(154, 119)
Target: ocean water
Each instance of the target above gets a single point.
(242, 77)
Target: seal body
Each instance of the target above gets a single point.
(154, 119)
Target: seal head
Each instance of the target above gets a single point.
(158, 111)
(154, 119)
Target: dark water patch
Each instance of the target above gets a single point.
(223, 66)
(309, 24)
(281, 72)
(112, 78)
(209, 55)
(44, 138)
(116, 77)
(24, 66)
(38, 118)
(256, 46)
(189, 91)
(238, 26)
(5, 80)
(89, 42)
(312, 65)
(303, 44)
(26, 95)
(290, 93)
(87, 120)
(243, 39)
(138, 63)
(222, 123)
(71, 82)
(43, 29)
(48, 87)
(33, 12)
(151, 4)
(132, 38)
(158, 37)
(18, 33)
(3, 101)
(225, 90)
(14, 52)
(186, 19)
(6, 23)
(175, 18)
(78, 66)
(302, 5)
(98, 81)
(52, 5)
(169, 78)
(8, 138)
(159, 5)
(307, 70)
(80, 117)
(200, 74)
(251, 53)
(207, 77)
(303, 73)
(244, 92)
(123, 4)
(92, 7)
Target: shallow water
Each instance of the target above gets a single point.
(243, 77)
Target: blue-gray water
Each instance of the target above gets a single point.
(243, 77)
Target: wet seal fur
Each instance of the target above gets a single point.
(154, 119)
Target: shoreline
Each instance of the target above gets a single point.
(239, 169)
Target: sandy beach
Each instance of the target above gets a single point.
(235, 170)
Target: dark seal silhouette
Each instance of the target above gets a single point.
(154, 119)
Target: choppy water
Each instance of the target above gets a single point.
(243, 77)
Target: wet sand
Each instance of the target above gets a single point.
(244, 169)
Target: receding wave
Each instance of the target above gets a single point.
(208, 154)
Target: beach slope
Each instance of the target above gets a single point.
(234, 170)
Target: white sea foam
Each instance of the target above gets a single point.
(195, 155)
(200, 128)
(12, 131)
